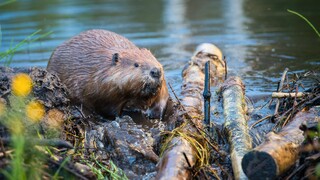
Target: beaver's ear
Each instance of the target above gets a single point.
(199, 54)
(115, 58)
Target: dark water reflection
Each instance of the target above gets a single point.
(259, 38)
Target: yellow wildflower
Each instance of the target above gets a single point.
(35, 111)
(21, 84)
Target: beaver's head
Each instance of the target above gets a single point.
(128, 72)
(131, 77)
(137, 72)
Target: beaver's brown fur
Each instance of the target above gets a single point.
(107, 73)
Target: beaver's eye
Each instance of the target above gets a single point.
(136, 65)
(115, 58)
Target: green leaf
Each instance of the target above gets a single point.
(304, 18)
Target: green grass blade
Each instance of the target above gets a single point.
(10, 52)
(0, 36)
(56, 175)
(304, 18)
(7, 2)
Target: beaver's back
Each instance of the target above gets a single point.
(76, 59)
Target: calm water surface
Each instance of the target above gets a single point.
(259, 38)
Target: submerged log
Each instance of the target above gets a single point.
(181, 154)
(279, 151)
(235, 109)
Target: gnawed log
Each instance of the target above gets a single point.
(234, 106)
(279, 151)
(181, 154)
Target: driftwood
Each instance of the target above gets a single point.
(181, 155)
(236, 123)
(279, 151)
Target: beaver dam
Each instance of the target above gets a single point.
(98, 106)
(211, 130)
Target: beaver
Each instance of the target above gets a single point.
(107, 73)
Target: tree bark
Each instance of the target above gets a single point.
(235, 125)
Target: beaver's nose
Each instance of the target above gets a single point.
(155, 72)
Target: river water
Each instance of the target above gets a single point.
(259, 38)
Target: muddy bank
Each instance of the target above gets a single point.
(88, 146)
(132, 146)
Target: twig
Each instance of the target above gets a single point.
(8, 152)
(260, 120)
(285, 95)
(80, 111)
(204, 174)
(286, 121)
(295, 96)
(267, 103)
(297, 170)
(69, 170)
(174, 93)
(312, 101)
(290, 110)
(280, 89)
(226, 68)
(2, 147)
(293, 108)
(223, 170)
(185, 156)
(207, 95)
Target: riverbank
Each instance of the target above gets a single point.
(66, 142)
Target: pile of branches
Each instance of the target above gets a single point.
(299, 98)
(294, 96)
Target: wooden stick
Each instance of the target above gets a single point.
(280, 89)
(279, 151)
(174, 93)
(259, 121)
(285, 95)
(226, 69)
(236, 123)
(207, 95)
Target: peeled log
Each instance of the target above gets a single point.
(279, 151)
(173, 163)
(285, 95)
(234, 107)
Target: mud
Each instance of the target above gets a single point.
(131, 145)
